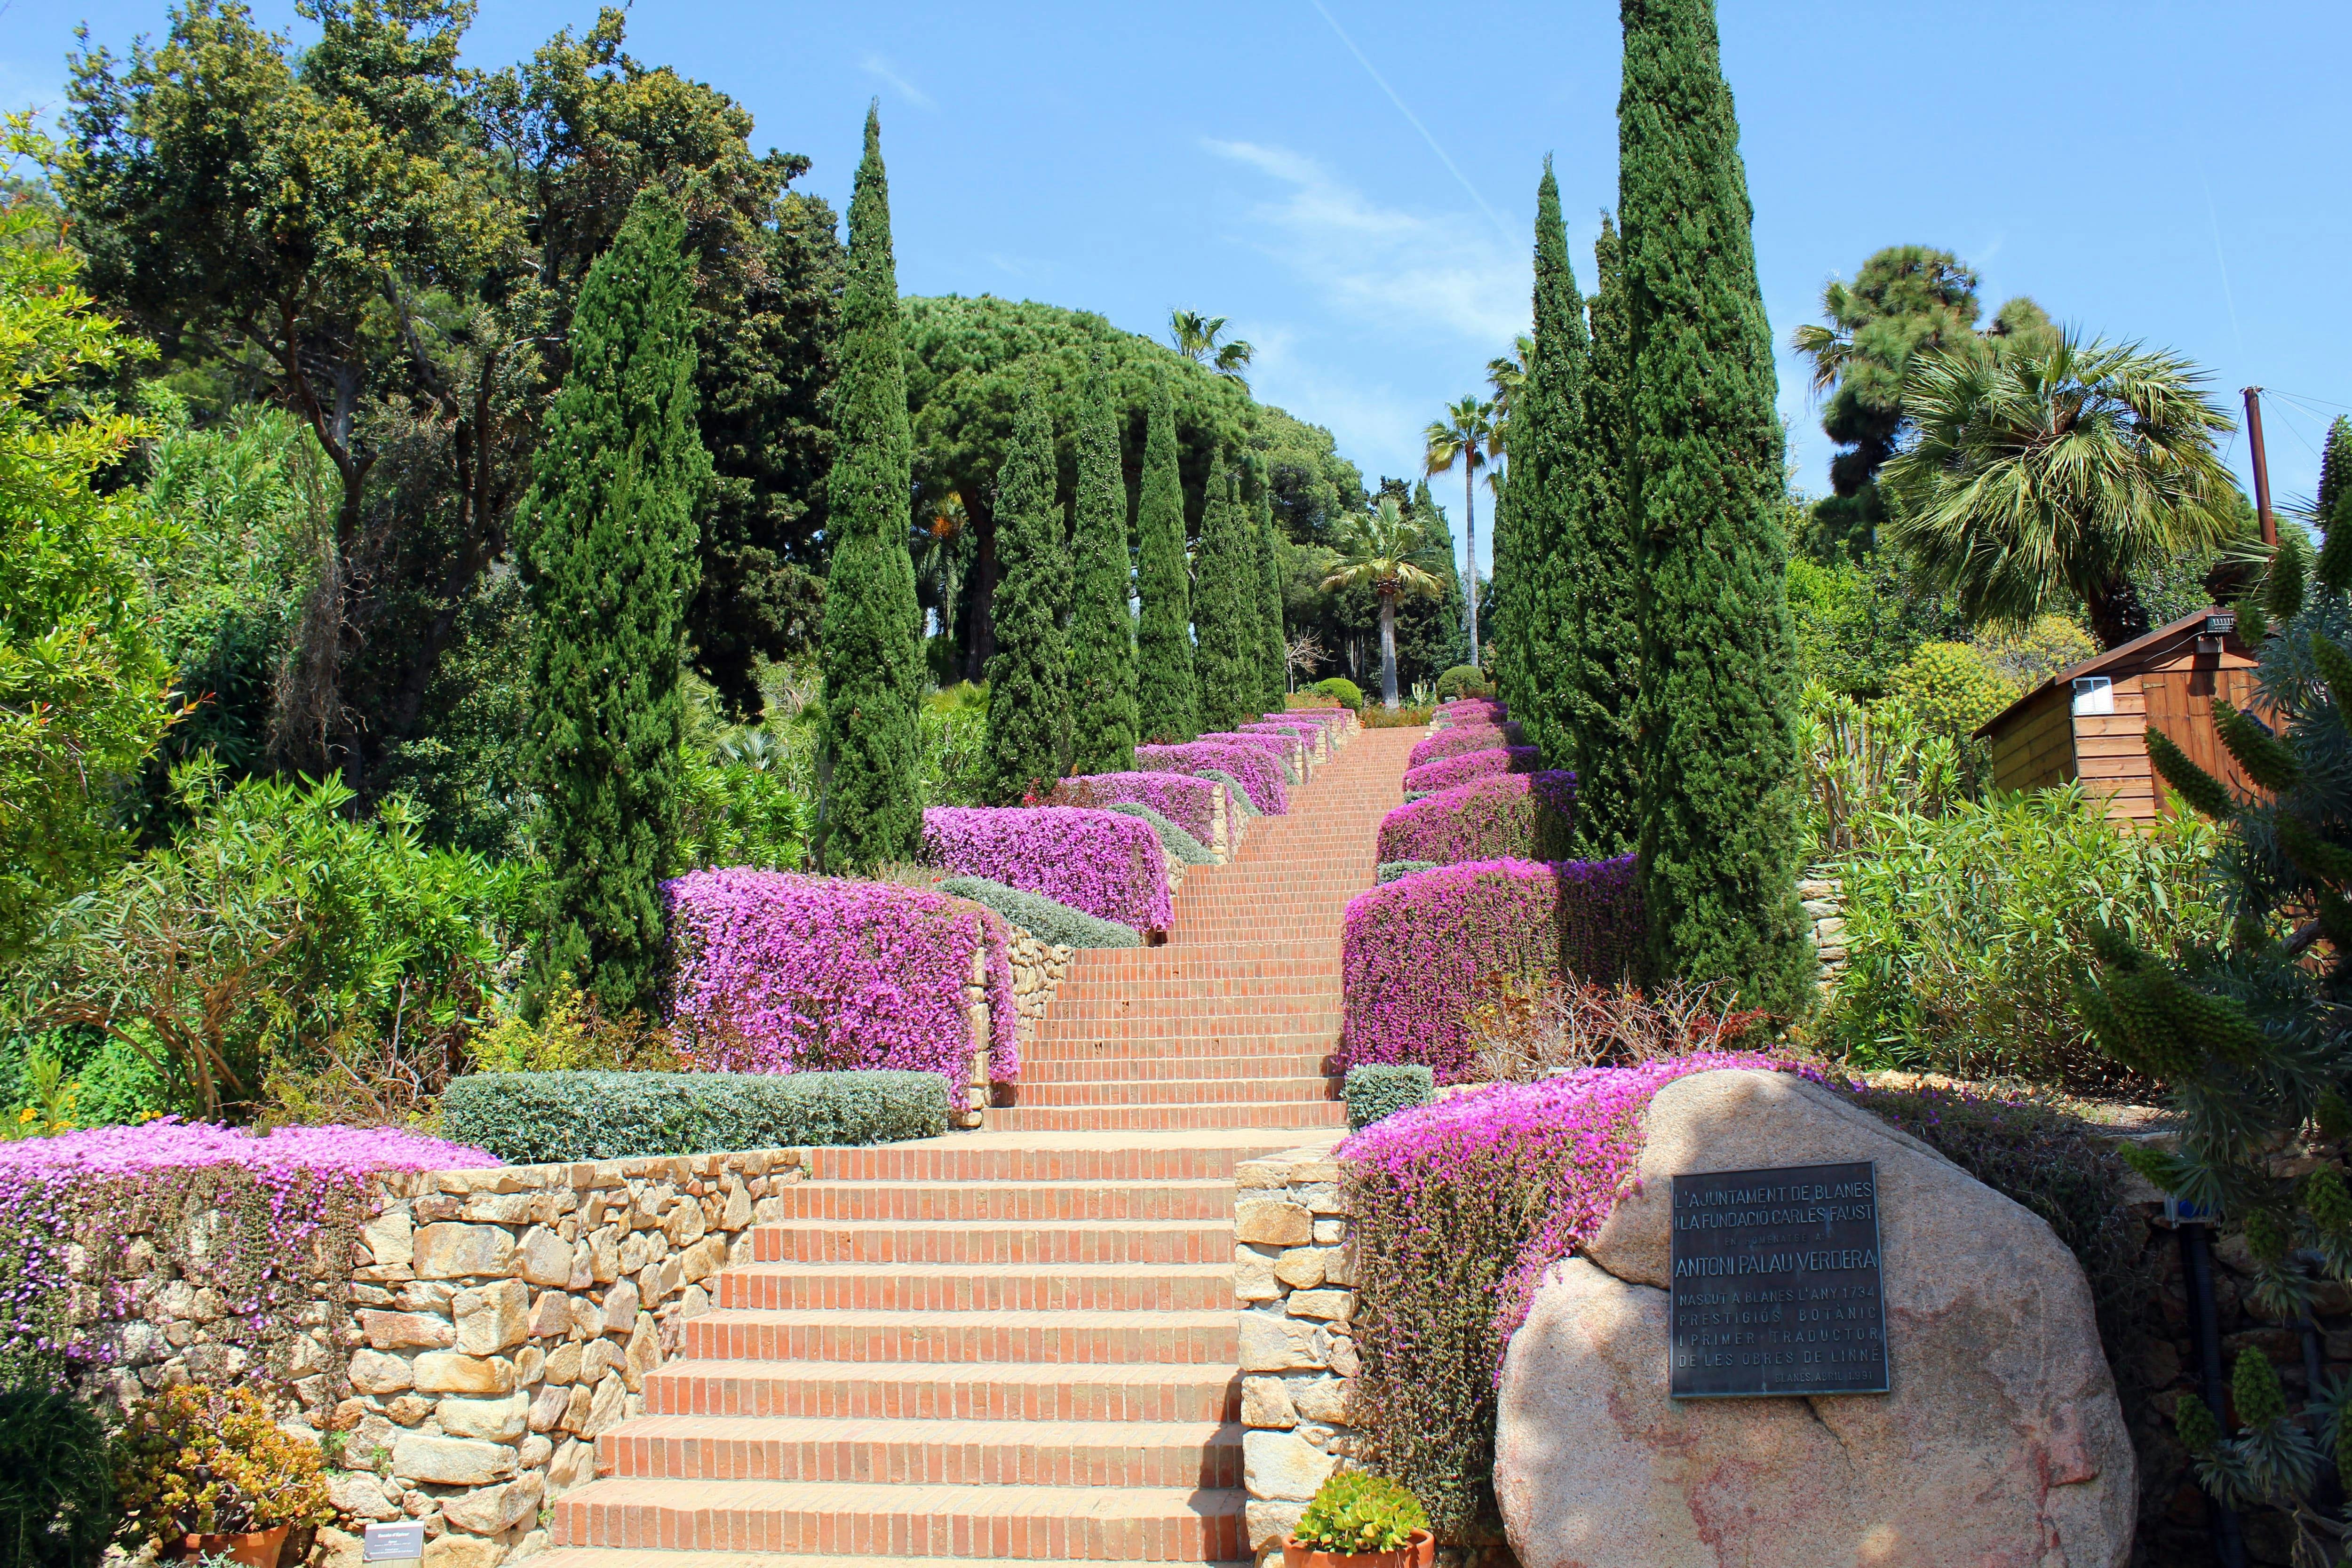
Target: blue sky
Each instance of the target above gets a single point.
(2167, 172)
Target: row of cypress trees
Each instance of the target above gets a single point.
(1641, 557)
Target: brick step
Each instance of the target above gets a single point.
(843, 1520)
(1207, 1028)
(1061, 1339)
(1302, 1118)
(1078, 1241)
(1213, 959)
(1078, 1064)
(924, 1452)
(1026, 1202)
(968, 1157)
(1240, 980)
(1197, 1091)
(1213, 1016)
(1032, 1390)
(978, 1286)
(608, 1557)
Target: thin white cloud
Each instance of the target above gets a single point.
(1402, 271)
(879, 68)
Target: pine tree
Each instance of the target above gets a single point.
(1274, 661)
(1226, 660)
(2332, 505)
(608, 550)
(1599, 603)
(1719, 841)
(1029, 674)
(871, 657)
(1102, 629)
(1168, 700)
(1543, 496)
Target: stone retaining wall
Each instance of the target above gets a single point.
(1298, 1353)
(499, 1320)
(1825, 920)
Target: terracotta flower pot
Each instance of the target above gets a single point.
(257, 1548)
(1417, 1552)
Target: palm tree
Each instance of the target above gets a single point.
(1195, 337)
(1506, 374)
(1466, 436)
(2035, 473)
(1375, 551)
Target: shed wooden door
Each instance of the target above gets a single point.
(2180, 709)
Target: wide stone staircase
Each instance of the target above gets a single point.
(1019, 1345)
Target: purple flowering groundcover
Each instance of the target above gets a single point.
(1257, 769)
(1413, 950)
(1284, 749)
(1461, 767)
(1102, 863)
(1187, 802)
(1513, 817)
(778, 971)
(1460, 738)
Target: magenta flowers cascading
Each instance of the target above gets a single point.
(1102, 863)
(1461, 767)
(1453, 743)
(1187, 802)
(777, 971)
(1257, 770)
(1513, 817)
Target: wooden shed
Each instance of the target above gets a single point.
(2091, 722)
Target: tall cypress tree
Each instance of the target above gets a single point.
(1543, 496)
(608, 549)
(1029, 674)
(1102, 631)
(1168, 699)
(1502, 607)
(1226, 659)
(1719, 842)
(1274, 662)
(1600, 622)
(871, 655)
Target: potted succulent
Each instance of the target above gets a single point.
(208, 1473)
(1360, 1521)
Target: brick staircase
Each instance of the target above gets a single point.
(1019, 1345)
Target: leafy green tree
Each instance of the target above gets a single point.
(1029, 679)
(1431, 633)
(1102, 629)
(608, 552)
(1906, 299)
(1466, 436)
(81, 680)
(2249, 1035)
(1720, 840)
(1379, 555)
(2039, 478)
(1600, 603)
(871, 655)
(1226, 659)
(1274, 657)
(1167, 698)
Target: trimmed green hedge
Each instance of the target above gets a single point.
(1237, 798)
(1375, 1090)
(1463, 680)
(1055, 924)
(1389, 871)
(1188, 850)
(537, 1118)
(1341, 690)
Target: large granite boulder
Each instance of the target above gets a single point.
(2000, 1445)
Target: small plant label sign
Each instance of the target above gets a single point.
(394, 1546)
(1776, 1282)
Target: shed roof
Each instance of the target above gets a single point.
(2134, 656)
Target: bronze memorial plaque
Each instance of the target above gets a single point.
(1776, 1282)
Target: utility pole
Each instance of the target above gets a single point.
(2261, 467)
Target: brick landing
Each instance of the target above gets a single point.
(1019, 1345)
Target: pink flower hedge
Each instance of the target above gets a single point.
(171, 1145)
(1257, 770)
(1283, 749)
(1463, 766)
(1453, 742)
(1304, 735)
(1515, 816)
(1471, 710)
(1103, 863)
(778, 971)
(1188, 802)
(1333, 720)
(1413, 951)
